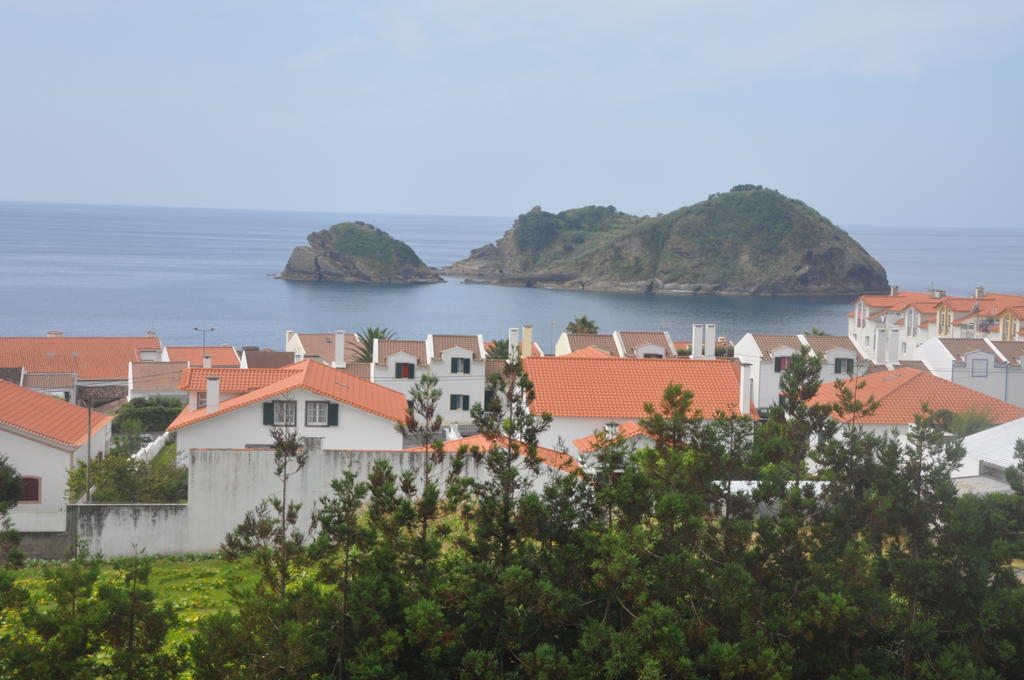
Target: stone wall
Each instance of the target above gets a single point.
(100, 394)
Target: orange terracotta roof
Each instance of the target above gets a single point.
(416, 348)
(65, 424)
(598, 388)
(625, 431)
(315, 377)
(220, 355)
(358, 370)
(588, 352)
(234, 380)
(602, 341)
(769, 343)
(550, 457)
(93, 358)
(157, 375)
(902, 391)
(442, 343)
(632, 340)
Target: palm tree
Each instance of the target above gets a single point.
(581, 324)
(366, 338)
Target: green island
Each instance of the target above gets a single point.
(356, 252)
(748, 241)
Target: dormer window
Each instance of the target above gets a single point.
(460, 365)
(403, 370)
(781, 364)
(844, 367)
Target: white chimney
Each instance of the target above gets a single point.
(527, 341)
(513, 343)
(207, 361)
(212, 393)
(703, 345)
(710, 335)
(745, 389)
(339, 350)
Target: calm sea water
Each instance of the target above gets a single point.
(121, 270)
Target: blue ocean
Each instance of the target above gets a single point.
(124, 270)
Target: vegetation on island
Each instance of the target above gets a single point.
(356, 252)
(714, 553)
(748, 240)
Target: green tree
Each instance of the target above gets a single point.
(10, 492)
(366, 337)
(498, 349)
(153, 414)
(581, 324)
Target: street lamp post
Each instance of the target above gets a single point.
(204, 331)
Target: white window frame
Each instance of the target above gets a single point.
(314, 409)
(284, 412)
(975, 371)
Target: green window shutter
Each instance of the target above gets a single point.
(455, 365)
(332, 414)
(453, 402)
(398, 370)
(268, 413)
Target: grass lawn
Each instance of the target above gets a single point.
(195, 585)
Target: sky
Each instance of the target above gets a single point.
(874, 112)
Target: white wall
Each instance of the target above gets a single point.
(471, 384)
(356, 429)
(33, 458)
(121, 530)
(569, 429)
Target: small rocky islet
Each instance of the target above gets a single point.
(357, 252)
(747, 241)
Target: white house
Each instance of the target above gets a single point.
(993, 368)
(43, 438)
(321, 403)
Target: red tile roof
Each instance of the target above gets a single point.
(93, 358)
(550, 457)
(318, 345)
(318, 378)
(823, 344)
(625, 431)
(959, 347)
(220, 355)
(633, 340)
(49, 380)
(1013, 350)
(602, 341)
(769, 343)
(590, 352)
(65, 424)
(443, 343)
(234, 380)
(416, 348)
(598, 388)
(268, 358)
(902, 391)
(157, 375)
(492, 366)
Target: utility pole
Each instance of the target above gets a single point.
(204, 331)
(88, 453)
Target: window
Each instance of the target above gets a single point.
(781, 364)
(280, 413)
(405, 370)
(201, 399)
(459, 402)
(29, 490)
(460, 365)
(979, 368)
(903, 347)
(316, 413)
(844, 366)
(649, 355)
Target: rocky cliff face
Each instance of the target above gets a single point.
(750, 241)
(356, 252)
